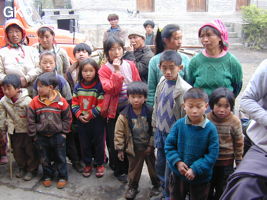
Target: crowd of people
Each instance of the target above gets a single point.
(142, 105)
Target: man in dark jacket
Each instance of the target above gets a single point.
(139, 53)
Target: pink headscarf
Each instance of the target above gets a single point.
(218, 25)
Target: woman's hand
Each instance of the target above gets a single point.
(23, 81)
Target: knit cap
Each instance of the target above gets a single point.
(218, 25)
(138, 33)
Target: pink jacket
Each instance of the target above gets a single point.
(112, 85)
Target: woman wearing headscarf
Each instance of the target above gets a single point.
(16, 57)
(214, 67)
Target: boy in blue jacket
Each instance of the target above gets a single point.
(191, 149)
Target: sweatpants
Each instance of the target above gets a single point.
(92, 141)
(136, 165)
(24, 151)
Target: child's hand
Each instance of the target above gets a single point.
(121, 155)
(190, 175)
(83, 119)
(182, 167)
(117, 63)
(148, 150)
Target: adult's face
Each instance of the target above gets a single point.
(136, 41)
(175, 41)
(113, 23)
(209, 39)
(46, 40)
(14, 34)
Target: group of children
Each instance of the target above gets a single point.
(109, 104)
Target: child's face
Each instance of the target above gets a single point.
(81, 55)
(170, 70)
(88, 72)
(222, 108)
(116, 51)
(149, 29)
(195, 109)
(175, 42)
(46, 40)
(48, 63)
(43, 90)
(9, 91)
(136, 100)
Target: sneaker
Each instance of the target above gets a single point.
(100, 170)
(28, 176)
(61, 183)
(20, 173)
(122, 178)
(47, 182)
(3, 160)
(155, 191)
(78, 167)
(131, 193)
(87, 171)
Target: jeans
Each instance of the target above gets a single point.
(51, 149)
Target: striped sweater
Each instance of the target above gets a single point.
(231, 138)
(49, 118)
(87, 99)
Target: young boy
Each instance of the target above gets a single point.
(13, 120)
(49, 118)
(134, 123)
(167, 109)
(192, 148)
(81, 52)
(149, 26)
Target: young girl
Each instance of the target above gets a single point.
(114, 76)
(87, 104)
(229, 129)
(48, 64)
(170, 38)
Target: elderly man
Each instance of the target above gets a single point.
(139, 53)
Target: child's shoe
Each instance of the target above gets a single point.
(78, 167)
(131, 193)
(47, 182)
(28, 176)
(3, 160)
(100, 170)
(155, 191)
(20, 173)
(61, 183)
(87, 171)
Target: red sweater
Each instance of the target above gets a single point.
(112, 85)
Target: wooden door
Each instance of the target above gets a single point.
(240, 3)
(196, 6)
(145, 5)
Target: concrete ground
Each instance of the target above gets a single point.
(92, 188)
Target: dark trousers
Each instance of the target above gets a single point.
(119, 167)
(51, 149)
(136, 165)
(179, 188)
(3, 144)
(92, 141)
(24, 151)
(219, 181)
(73, 147)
